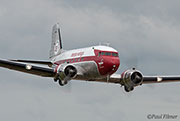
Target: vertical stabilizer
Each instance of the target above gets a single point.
(56, 45)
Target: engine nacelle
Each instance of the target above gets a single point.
(131, 78)
(65, 72)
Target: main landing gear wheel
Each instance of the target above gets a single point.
(55, 80)
(127, 89)
(62, 83)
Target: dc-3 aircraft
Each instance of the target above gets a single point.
(96, 63)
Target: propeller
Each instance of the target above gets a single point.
(136, 78)
(70, 71)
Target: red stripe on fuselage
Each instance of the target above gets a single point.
(107, 65)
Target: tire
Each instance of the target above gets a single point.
(55, 80)
(61, 83)
(128, 90)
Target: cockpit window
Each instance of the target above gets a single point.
(107, 53)
(115, 54)
(102, 53)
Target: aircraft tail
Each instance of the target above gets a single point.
(56, 45)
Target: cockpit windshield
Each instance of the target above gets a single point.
(115, 54)
(108, 54)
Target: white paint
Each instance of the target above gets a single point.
(105, 48)
(68, 54)
(89, 51)
(56, 47)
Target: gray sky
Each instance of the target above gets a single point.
(146, 34)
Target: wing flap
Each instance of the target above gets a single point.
(26, 68)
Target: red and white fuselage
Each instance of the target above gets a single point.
(91, 62)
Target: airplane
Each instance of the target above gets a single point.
(95, 64)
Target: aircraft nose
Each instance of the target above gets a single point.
(109, 66)
(115, 64)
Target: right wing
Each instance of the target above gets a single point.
(27, 68)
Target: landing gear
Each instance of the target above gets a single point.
(128, 89)
(55, 80)
(62, 83)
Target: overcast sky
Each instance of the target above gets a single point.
(146, 34)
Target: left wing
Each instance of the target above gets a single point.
(132, 78)
(31, 69)
(160, 79)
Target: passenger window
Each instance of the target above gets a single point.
(78, 59)
(82, 59)
(72, 60)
